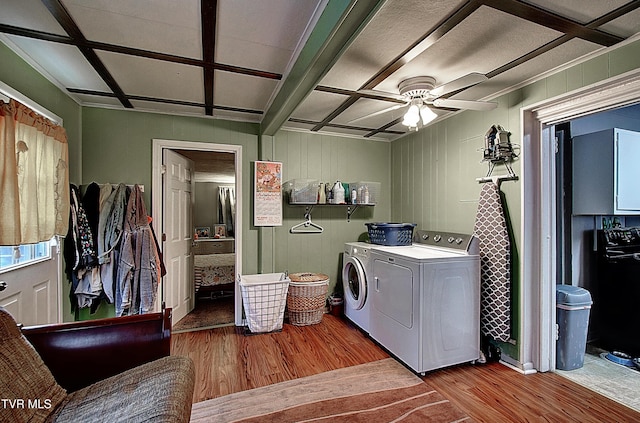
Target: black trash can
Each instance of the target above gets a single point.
(573, 305)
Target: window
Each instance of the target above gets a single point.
(22, 255)
(35, 174)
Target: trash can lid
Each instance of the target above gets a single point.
(308, 277)
(572, 295)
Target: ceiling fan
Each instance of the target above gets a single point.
(420, 92)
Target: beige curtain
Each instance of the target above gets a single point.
(34, 185)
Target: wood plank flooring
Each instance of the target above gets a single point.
(228, 361)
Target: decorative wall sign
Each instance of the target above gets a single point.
(267, 204)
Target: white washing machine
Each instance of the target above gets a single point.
(356, 269)
(425, 300)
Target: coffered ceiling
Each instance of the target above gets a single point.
(302, 64)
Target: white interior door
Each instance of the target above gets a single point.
(31, 292)
(178, 233)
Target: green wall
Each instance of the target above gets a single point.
(23, 78)
(428, 176)
(433, 171)
(117, 144)
(327, 159)
(117, 147)
(434, 175)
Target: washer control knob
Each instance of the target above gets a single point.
(459, 241)
(451, 239)
(425, 236)
(437, 238)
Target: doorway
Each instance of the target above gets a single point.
(216, 168)
(540, 243)
(579, 260)
(214, 211)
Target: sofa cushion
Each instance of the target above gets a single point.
(29, 391)
(160, 391)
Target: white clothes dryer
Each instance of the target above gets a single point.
(356, 268)
(425, 300)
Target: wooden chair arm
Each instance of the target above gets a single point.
(82, 353)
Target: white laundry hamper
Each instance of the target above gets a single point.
(264, 297)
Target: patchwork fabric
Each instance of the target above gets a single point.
(495, 257)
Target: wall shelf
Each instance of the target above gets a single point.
(351, 208)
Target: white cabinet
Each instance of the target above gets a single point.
(606, 171)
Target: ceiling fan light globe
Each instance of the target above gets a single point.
(427, 115)
(410, 122)
(412, 117)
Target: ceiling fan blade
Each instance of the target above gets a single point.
(379, 112)
(465, 104)
(458, 84)
(383, 94)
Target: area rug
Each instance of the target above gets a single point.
(207, 314)
(381, 391)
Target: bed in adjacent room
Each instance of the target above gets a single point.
(214, 272)
(214, 267)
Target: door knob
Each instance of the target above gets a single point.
(3, 285)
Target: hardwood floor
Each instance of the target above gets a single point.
(228, 361)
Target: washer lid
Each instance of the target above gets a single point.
(417, 252)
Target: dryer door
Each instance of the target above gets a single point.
(354, 282)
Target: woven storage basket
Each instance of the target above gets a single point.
(306, 298)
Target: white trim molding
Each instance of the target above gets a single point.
(612, 93)
(156, 195)
(537, 346)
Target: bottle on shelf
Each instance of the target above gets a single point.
(329, 192)
(365, 195)
(322, 195)
(338, 193)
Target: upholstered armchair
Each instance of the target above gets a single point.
(111, 370)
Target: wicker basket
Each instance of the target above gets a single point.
(307, 298)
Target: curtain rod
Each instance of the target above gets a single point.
(10, 93)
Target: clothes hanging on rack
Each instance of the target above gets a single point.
(139, 264)
(80, 254)
(95, 245)
(109, 233)
(111, 221)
